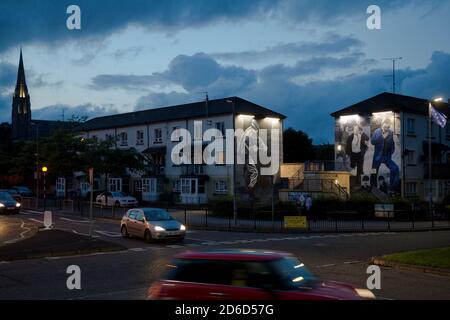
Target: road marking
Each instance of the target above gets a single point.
(84, 234)
(352, 262)
(5, 262)
(138, 249)
(175, 246)
(109, 233)
(67, 219)
(32, 211)
(35, 220)
(326, 265)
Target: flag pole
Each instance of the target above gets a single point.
(430, 189)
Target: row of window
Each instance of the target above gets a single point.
(123, 136)
(185, 185)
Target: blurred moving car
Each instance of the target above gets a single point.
(23, 191)
(236, 274)
(118, 199)
(8, 204)
(151, 224)
(14, 193)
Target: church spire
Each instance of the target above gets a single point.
(21, 84)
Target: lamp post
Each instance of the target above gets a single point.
(44, 170)
(233, 103)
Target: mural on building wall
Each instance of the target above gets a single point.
(369, 147)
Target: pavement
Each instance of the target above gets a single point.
(128, 274)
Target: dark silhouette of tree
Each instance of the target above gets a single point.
(297, 146)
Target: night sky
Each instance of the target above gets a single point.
(305, 59)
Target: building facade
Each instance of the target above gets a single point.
(384, 142)
(150, 133)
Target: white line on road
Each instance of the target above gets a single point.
(326, 265)
(109, 233)
(352, 262)
(71, 220)
(84, 234)
(35, 220)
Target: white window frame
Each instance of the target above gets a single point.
(221, 187)
(115, 184)
(158, 136)
(123, 139)
(139, 137)
(410, 130)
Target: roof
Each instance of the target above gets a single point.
(48, 127)
(392, 102)
(179, 112)
(233, 254)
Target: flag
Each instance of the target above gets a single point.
(439, 118)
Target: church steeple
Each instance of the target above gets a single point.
(21, 90)
(21, 106)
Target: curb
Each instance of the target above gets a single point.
(409, 267)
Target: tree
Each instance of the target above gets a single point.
(297, 146)
(324, 152)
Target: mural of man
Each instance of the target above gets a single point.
(356, 147)
(384, 145)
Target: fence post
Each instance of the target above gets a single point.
(336, 224)
(185, 217)
(362, 220)
(412, 218)
(206, 217)
(432, 217)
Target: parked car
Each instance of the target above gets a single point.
(235, 274)
(8, 204)
(118, 199)
(14, 193)
(151, 224)
(24, 191)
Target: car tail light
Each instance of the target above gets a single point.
(154, 291)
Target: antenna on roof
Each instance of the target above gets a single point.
(206, 104)
(394, 60)
(63, 110)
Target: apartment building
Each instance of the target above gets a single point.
(384, 142)
(150, 132)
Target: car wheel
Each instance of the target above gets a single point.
(124, 232)
(148, 236)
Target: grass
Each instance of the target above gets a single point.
(437, 258)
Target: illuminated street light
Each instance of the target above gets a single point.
(44, 169)
(438, 99)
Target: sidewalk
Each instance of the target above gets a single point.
(52, 243)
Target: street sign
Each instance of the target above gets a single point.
(297, 222)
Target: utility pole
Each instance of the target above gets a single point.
(394, 60)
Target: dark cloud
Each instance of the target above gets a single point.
(333, 44)
(126, 82)
(44, 21)
(55, 112)
(308, 105)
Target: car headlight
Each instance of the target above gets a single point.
(17, 205)
(1, 205)
(158, 228)
(182, 227)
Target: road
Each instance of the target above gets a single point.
(128, 274)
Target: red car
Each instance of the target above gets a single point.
(237, 274)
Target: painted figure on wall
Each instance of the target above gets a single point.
(356, 147)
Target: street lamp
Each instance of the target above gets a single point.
(233, 103)
(44, 170)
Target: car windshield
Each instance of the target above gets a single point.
(157, 215)
(5, 196)
(294, 274)
(118, 194)
(24, 189)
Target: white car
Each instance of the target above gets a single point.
(118, 199)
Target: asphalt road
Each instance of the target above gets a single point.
(128, 274)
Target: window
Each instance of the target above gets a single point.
(411, 189)
(123, 137)
(186, 186)
(108, 137)
(411, 126)
(221, 187)
(115, 184)
(137, 185)
(201, 186)
(158, 136)
(149, 185)
(411, 157)
(140, 137)
(176, 186)
(221, 127)
(94, 138)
